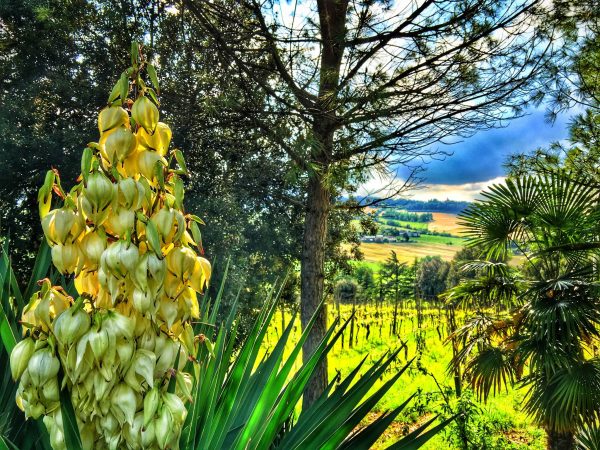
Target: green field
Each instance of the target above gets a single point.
(417, 247)
(501, 422)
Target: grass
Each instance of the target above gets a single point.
(502, 422)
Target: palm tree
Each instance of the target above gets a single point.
(536, 327)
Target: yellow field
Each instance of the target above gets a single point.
(407, 252)
(445, 223)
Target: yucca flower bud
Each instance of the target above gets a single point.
(120, 258)
(164, 220)
(188, 339)
(119, 145)
(120, 222)
(112, 117)
(147, 340)
(159, 141)
(181, 262)
(148, 435)
(188, 304)
(132, 433)
(123, 403)
(131, 193)
(146, 162)
(163, 427)
(150, 273)
(143, 301)
(101, 385)
(118, 325)
(109, 423)
(98, 196)
(42, 366)
(51, 304)
(66, 257)
(87, 283)
(151, 402)
(200, 275)
(141, 370)
(19, 357)
(62, 225)
(50, 393)
(175, 407)
(99, 342)
(145, 114)
(35, 410)
(55, 429)
(167, 310)
(184, 385)
(71, 325)
(166, 352)
(92, 245)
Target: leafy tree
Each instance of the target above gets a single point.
(57, 68)
(554, 306)
(366, 280)
(432, 274)
(356, 87)
(393, 274)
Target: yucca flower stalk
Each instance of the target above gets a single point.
(123, 234)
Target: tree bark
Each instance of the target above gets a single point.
(332, 25)
(312, 280)
(559, 440)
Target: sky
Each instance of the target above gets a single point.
(477, 162)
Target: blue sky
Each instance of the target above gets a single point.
(478, 161)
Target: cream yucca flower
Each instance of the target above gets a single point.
(124, 235)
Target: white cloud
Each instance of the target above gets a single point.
(381, 186)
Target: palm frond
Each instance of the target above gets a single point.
(588, 437)
(491, 368)
(569, 399)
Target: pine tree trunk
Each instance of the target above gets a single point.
(559, 440)
(312, 281)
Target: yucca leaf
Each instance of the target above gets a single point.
(41, 267)
(367, 436)
(415, 440)
(5, 444)
(70, 428)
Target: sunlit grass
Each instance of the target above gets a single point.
(513, 428)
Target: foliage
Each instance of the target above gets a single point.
(57, 71)
(432, 273)
(407, 215)
(253, 386)
(342, 117)
(552, 308)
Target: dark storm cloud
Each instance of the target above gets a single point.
(480, 157)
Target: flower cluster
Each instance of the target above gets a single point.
(123, 235)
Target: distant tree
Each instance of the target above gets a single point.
(432, 276)
(356, 87)
(393, 274)
(366, 280)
